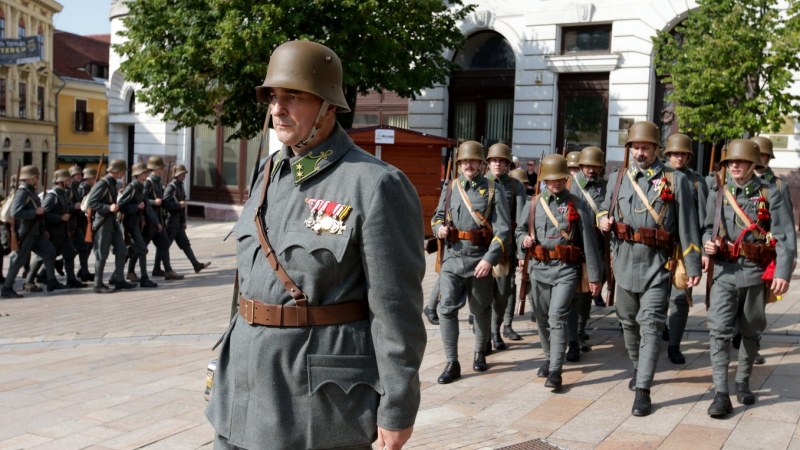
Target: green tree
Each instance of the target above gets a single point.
(198, 61)
(730, 63)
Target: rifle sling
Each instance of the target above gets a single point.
(615, 194)
(553, 220)
(718, 205)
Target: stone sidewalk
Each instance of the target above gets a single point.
(127, 370)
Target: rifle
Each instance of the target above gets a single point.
(440, 243)
(89, 235)
(612, 282)
(526, 278)
(14, 241)
(167, 177)
(713, 154)
(721, 175)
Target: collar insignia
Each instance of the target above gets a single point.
(308, 165)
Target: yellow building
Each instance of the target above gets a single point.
(27, 98)
(81, 67)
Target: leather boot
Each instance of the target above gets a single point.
(54, 285)
(641, 404)
(147, 283)
(200, 266)
(759, 360)
(632, 382)
(172, 276)
(573, 352)
(158, 272)
(452, 372)
(554, 381)
(743, 394)
(497, 341)
(675, 355)
(431, 314)
(133, 277)
(479, 363)
(665, 334)
(721, 406)
(544, 370)
(509, 333)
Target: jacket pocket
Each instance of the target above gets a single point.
(344, 392)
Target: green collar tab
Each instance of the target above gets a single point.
(307, 165)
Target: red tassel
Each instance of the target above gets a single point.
(769, 272)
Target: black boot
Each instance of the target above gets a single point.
(74, 283)
(759, 360)
(665, 334)
(452, 372)
(743, 394)
(479, 363)
(632, 382)
(573, 352)
(641, 404)
(737, 341)
(431, 314)
(54, 285)
(200, 266)
(497, 341)
(721, 406)
(675, 355)
(598, 301)
(544, 370)
(147, 283)
(509, 333)
(554, 381)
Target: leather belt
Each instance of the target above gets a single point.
(258, 313)
(464, 235)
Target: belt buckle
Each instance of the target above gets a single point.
(249, 310)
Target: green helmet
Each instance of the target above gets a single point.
(592, 156)
(117, 165)
(155, 162)
(519, 174)
(178, 170)
(573, 159)
(678, 143)
(139, 168)
(61, 175)
(644, 131)
(308, 67)
(89, 172)
(74, 170)
(500, 150)
(554, 167)
(28, 172)
(743, 149)
(764, 146)
(470, 150)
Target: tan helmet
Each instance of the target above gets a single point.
(554, 167)
(644, 131)
(470, 150)
(180, 169)
(764, 146)
(74, 170)
(61, 175)
(308, 67)
(117, 165)
(155, 162)
(743, 149)
(592, 156)
(28, 172)
(139, 168)
(678, 143)
(89, 172)
(573, 159)
(499, 150)
(519, 174)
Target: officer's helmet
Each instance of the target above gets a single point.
(155, 162)
(743, 149)
(61, 175)
(678, 143)
(117, 165)
(573, 159)
(644, 131)
(764, 146)
(500, 150)
(180, 169)
(308, 67)
(139, 168)
(470, 150)
(592, 156)
(519, 174)
(554, 167)
(28, 172)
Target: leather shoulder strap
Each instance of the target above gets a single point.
(532, 216)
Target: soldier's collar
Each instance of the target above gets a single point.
(502, 178)
(559, 198)
(749, 189)
(768, 176)
(316, 160)
(474, 182)
(581, 179)
(651, 172)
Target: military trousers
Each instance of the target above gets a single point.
(731, 308)
(162, 243)
(61, 246)
(579, 316)
(137, 250)
(678, 314)
(551, 305)
(511, 307)
(109, 234)
(36, 244)
(177, 235)
(503, 289)
(433, 300)
(642, 315)
(455, 292)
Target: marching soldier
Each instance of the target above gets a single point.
(174, 202)
(650, 210)
(136, 213)
(107, 231)
(154, 191)
(679, 153)
(573, 162)
(89, 180)
(554, 228)
(78, 219)
(749, 237)
(473, 217)
(590, 187)
(499, 158)
(28, 214)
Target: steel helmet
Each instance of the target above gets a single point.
(117, 165)
(180, 169)
(74, 170)
(644, 131)
(592, 156)
(519, 174)
(89, 172)
(573, 159)
(308, 67)
(155, 162)
(500, 150)
(139, 168)
(745, 150)
(678, 143)
(28, 172)
(61, 175)
(764, 146)
(470, 150)
(554, 167)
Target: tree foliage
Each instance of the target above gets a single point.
(730, 64)
(198, 61)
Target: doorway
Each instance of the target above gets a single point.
(582, 111)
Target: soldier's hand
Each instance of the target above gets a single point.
(113, 207)
(39, 211)
(65, 217)
(159, 228)
(442, 233)
(779, 286)
(692, 282)
(527, 242)
(706, 260)
(710, 248)
(482, 269)
(182, 203)
(594, 288)
(393, 439)
(140, 205)
(605, 223)
(157, 202)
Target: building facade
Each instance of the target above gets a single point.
(27, 97)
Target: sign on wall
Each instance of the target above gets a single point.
(20, 51)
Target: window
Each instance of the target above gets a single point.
(84, 121)
(396, 120)
(97, 70)
(40, 40)
(23, 100)
(361, 120)
(2, 97)
(40, 103)
(132, 102)
(587, 39)
(21, 29)
(2, 27)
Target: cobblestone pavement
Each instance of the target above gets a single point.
(126, 371)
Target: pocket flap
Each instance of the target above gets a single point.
(345, 371)
(311, 242)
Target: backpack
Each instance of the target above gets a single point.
(5, 208)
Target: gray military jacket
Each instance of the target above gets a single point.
(101, 197)
(637, 266)
(744, 272)
(153, 190)
(699, 191)
(129, 204)
(326, 386)
(55, 205)
(461, 257)
(515, 198)
(173, 195)
(23, 208)
(582, 235)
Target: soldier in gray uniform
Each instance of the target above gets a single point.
(748, 233)
(157, 232)
(472, 216)
(499, 158)
(137, 213)
(331, 359)
(78, 219)
(590, 187)
(107, 230)
(174, 202)
(557, 230)
(678, 151)
(573, 162)
(28, 214)
(654, 212)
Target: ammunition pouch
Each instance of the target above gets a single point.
(652, 237)
(568, 254)
(759, 253)
(431, 245)
(481, 237)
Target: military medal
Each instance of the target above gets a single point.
(327, 216)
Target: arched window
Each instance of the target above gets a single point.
(132, 102)
(27, 154)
